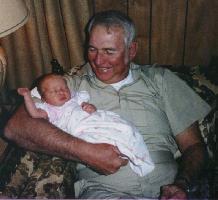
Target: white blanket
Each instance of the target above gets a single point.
(101, 127)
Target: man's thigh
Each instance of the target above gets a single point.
(125, 183)
(104, 192)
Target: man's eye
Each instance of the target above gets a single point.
(110, 52)
(91, 49)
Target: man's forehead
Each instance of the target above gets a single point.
(108, 28)
(104, 37)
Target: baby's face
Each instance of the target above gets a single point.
(55, 91)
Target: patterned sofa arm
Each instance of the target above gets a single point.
(40, 176)
(43, 176)
(206, 187)
(209, 92)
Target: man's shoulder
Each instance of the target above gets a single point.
(79, 70)
(77, 74)
(150, 71)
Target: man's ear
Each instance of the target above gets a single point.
(133, 50)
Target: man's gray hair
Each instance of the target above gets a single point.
(112, 18)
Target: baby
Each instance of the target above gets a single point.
(71, 112)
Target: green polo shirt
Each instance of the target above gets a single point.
(157, 102)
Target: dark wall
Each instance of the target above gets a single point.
(171, 31)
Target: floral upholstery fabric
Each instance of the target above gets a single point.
(209, 92)
(42, 176)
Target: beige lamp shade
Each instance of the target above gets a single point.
(13, 15)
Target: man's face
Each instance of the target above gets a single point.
(108, 55)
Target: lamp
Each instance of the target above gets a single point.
(13, 15)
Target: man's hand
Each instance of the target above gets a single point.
(105, 158)
(172, 192)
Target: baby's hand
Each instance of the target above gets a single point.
(23, 91)
(89, 108)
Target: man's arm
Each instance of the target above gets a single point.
(194, 155)
(40, 135)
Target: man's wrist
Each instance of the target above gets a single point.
(183, 183)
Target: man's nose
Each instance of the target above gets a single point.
(99, 58)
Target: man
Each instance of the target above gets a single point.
(158, 103)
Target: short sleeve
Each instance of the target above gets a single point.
(183, 106)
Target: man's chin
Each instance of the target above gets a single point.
(104, 77)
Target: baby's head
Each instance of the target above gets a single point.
(53, 89)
